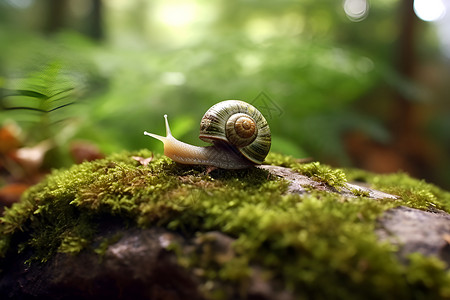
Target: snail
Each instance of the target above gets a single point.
(238, 131)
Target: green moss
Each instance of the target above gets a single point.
(360, 193)
(412, 192)
(429, 277)
(106, 242)
(319, 245)
(277, 159)
(333, 177)
(319, 172)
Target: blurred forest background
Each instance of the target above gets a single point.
(350, 83)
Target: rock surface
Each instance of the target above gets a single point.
(137, 266)
(300, 184)
(415, 230)
(145, 263)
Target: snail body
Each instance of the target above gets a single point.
(238, 131)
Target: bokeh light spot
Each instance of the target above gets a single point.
(429, 10)
(356, 10)
(177, 15)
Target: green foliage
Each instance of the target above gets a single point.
(41, 101)
(121, 93)
(319, 245)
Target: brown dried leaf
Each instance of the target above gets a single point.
(9, 138)
(11, 193)
(85, 151)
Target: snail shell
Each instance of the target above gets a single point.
(239, 133)
(238, 124)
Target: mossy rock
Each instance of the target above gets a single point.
(244, 234)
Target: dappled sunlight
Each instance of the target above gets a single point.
(177, 14)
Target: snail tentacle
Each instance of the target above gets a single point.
(159, 137)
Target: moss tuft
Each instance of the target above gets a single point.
(317, 171)
(318, 245)
(323, 173)
(277, 159)
(413, 192)
(360, 193)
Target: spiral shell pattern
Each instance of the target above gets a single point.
(239, 124)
